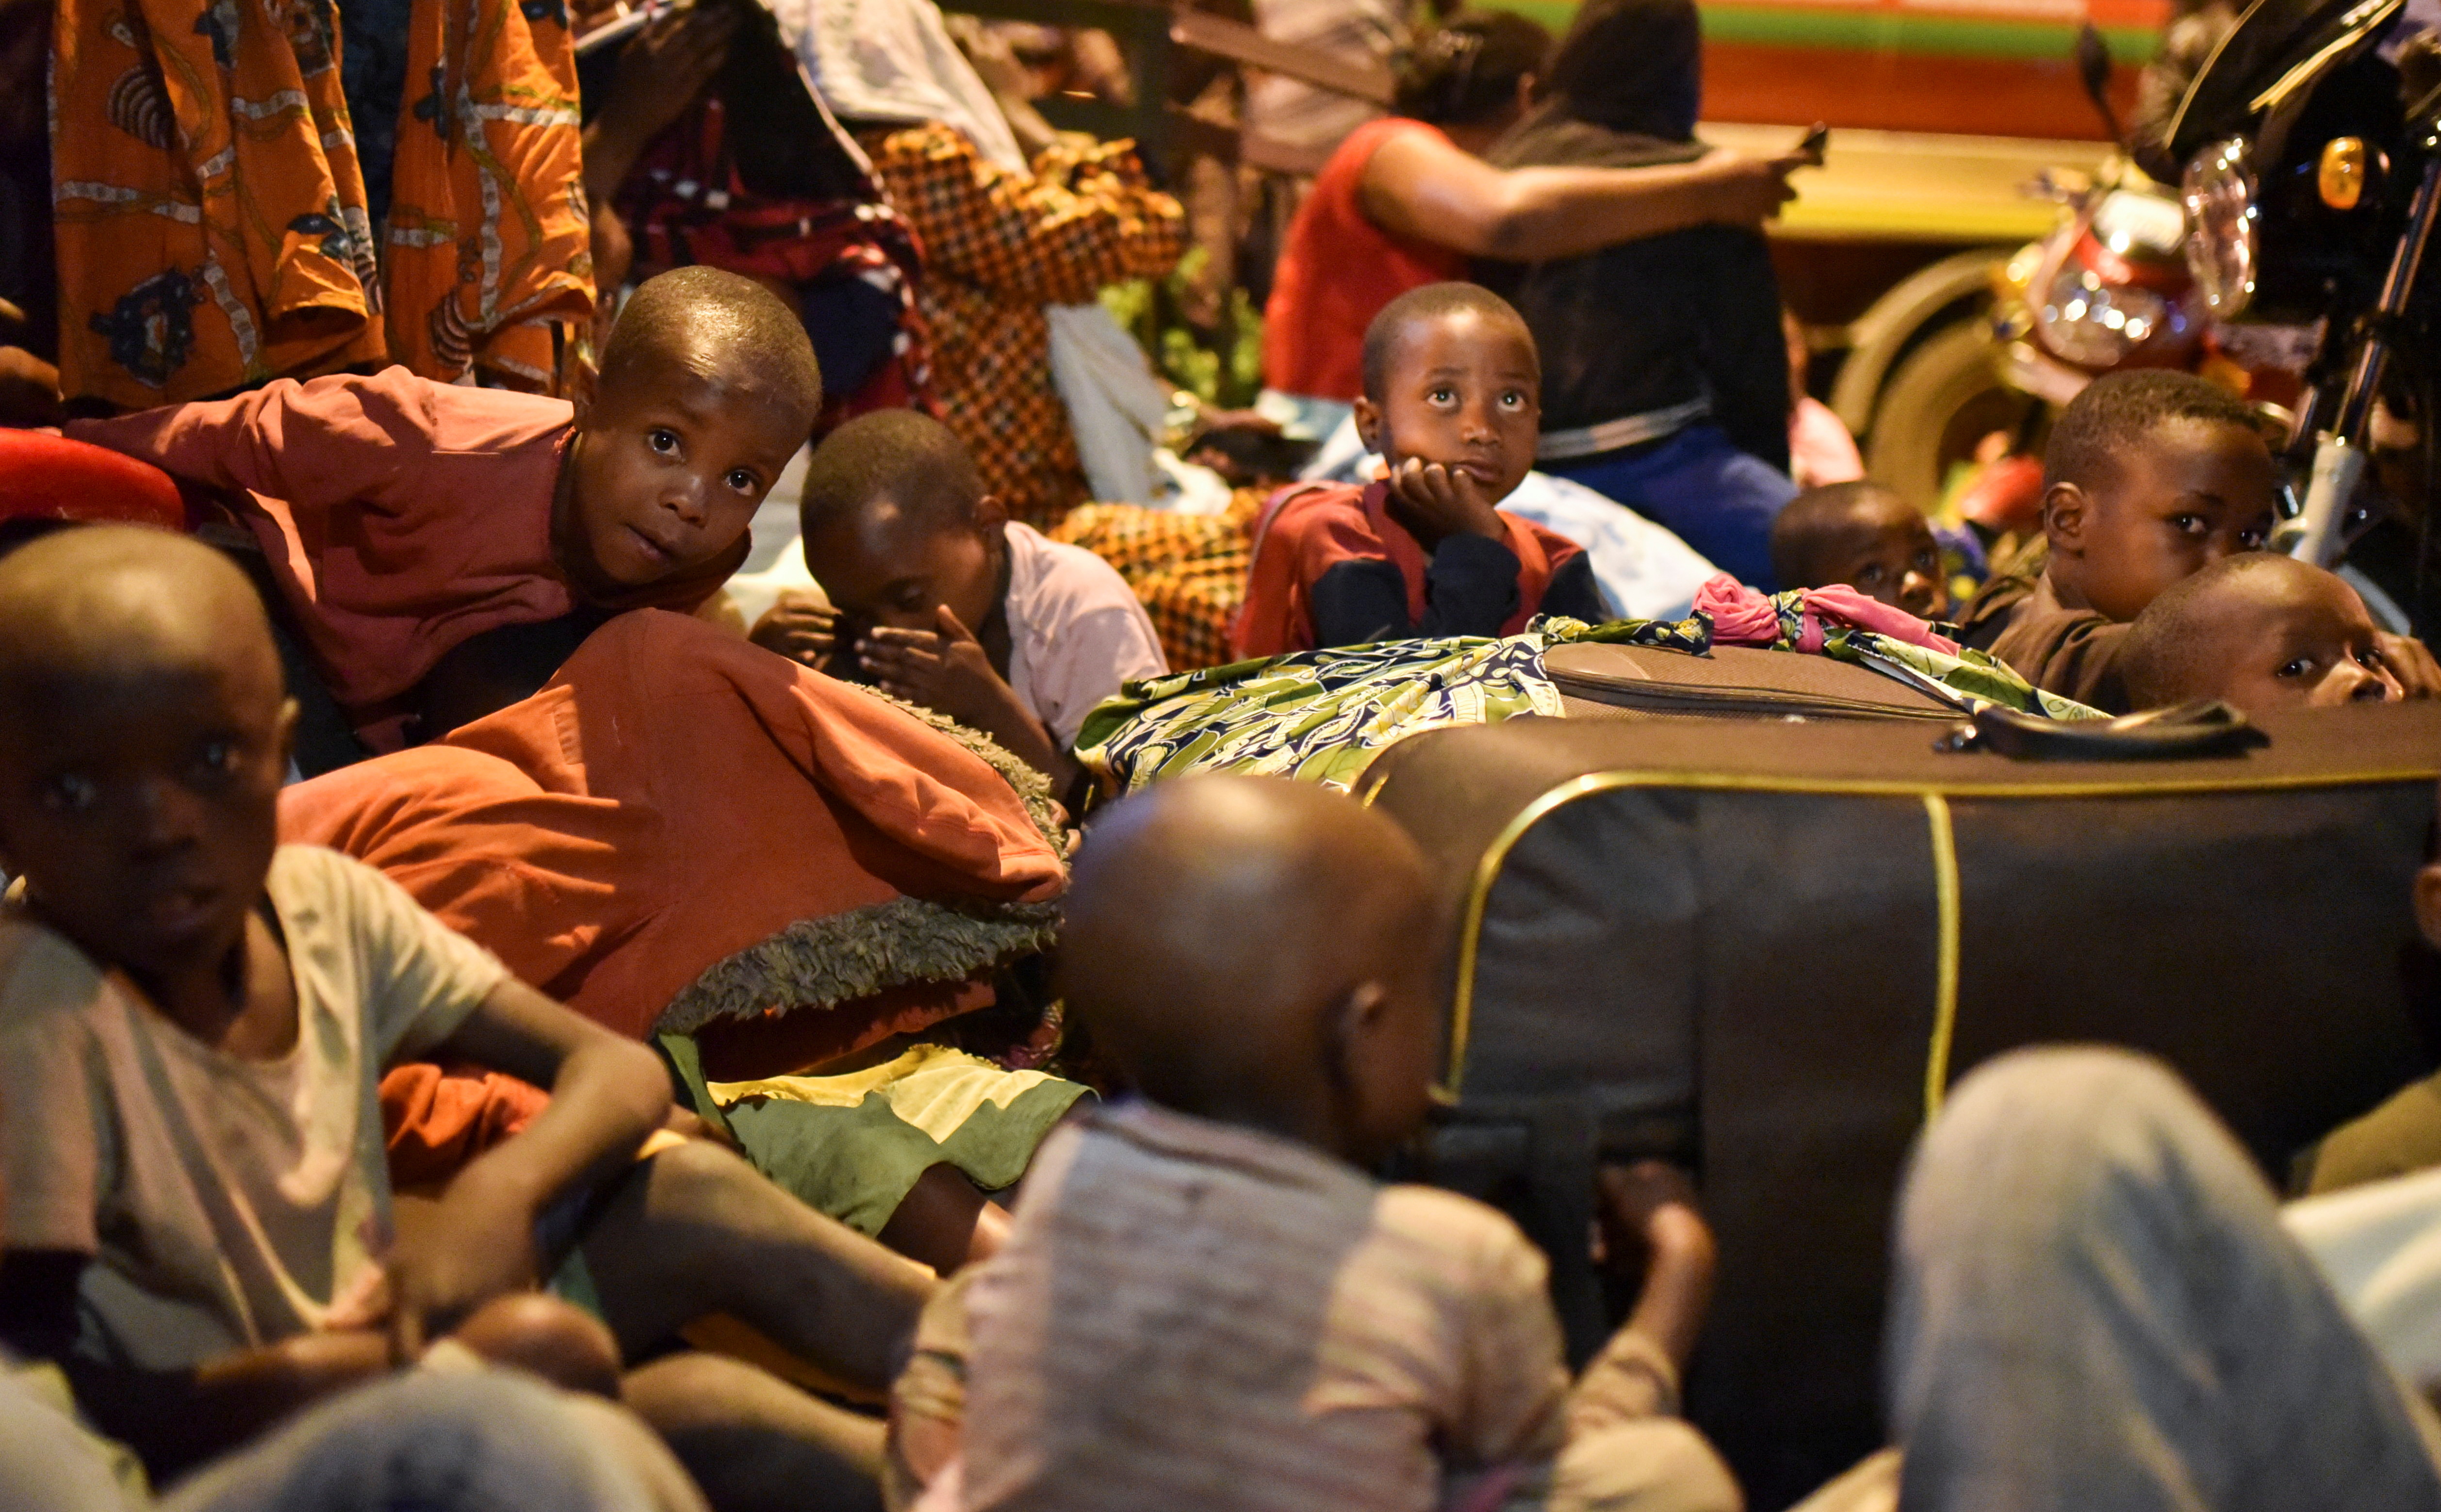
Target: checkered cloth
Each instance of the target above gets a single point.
(997, 247)
(1188, 570)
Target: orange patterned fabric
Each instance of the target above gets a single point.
(211, 221)
(488, 247)
(997, 247)
(1188, 570)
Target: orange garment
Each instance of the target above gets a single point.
(211, 212)
(434, 1122)
(676, 797)
(1310, 530)
(401, 516)
(998, 245)
(1339, 269)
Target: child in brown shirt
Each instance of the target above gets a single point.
(2149, 477)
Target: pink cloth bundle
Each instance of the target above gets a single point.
(1742, 617)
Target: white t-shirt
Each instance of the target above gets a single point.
(1075, 631)
(227, 1203)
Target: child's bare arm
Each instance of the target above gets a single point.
(1656, 1203)
(607, 1093)
(1648, 1207)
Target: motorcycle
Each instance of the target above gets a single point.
(2109, 288)
(2313, 172)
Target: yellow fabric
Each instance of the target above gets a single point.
(930, 1088)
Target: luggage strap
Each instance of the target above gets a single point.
(2207, 727)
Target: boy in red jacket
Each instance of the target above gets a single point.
(1452, 403)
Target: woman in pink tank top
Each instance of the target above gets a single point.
(1408, 200)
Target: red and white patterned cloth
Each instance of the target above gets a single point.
(998, 245)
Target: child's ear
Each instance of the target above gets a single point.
(1345, 1028)
(2427, 904)
(1368, 424)
(582, 383)
(2064, 506)
(991, 513)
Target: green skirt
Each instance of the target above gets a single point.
(852, 1145)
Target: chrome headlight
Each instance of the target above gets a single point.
(2099, 325)
(2222, 216)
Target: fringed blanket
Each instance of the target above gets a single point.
(682, 830)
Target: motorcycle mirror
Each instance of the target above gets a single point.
(2093, 71)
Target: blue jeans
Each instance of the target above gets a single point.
(1706, 491)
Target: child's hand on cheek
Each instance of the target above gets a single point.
(1435, 502)
(944, 669)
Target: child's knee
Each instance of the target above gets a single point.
(548, 1338)
(2049, 1142)
(1660, 1464)
(698, 1179)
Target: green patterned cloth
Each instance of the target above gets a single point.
(1324, 715)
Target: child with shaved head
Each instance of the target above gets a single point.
(1205, 1301)
(2265, 632)
(420, 532)
(936, 596)
(1453, 404)
(193, 1022)
(1865, 536)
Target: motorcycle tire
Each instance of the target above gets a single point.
(1947, 395)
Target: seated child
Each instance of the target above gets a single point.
(1205, 1301)
(1453, 404)
(937, 597)
(2149, 477)
(403, 519)
(193, 1022)
(2263, 632)
(1865, 536)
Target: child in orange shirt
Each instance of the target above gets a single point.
(403, 519)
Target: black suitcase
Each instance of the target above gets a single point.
(1769, 945)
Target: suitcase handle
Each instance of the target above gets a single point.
(2205, 728)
